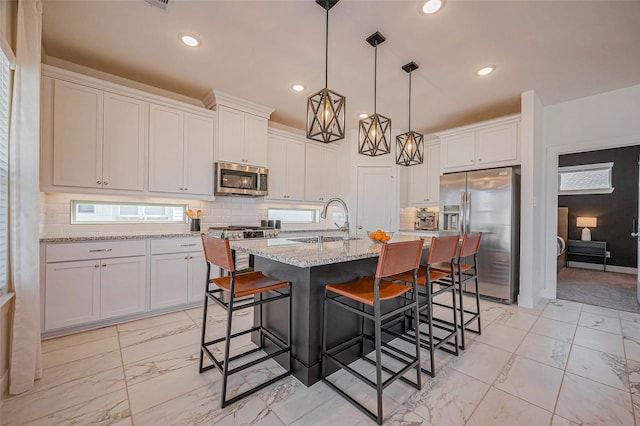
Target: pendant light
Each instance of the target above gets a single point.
(410, 145)
(326, 108)
(375, 131)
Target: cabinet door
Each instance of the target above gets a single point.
(255, 139)
(433, 173)
(198, 154)
(72, 293)
(418, 185)
(169, 275)
(77, 135)
(458, 151)
(313, 181)
(277, 166)
(498, 144)
(124, 142)
(123, 286)
(166, 162)
(295, 170)
(377, 193)
(198, 275)
(231, 135)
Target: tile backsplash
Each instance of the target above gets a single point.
(55, 214)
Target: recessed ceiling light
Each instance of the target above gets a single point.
(429, 7)
(189, 39)
(298, 87)
(364, 115)
(485, 70)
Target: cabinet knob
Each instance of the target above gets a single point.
(99, 182)
(181, 189)
(106, 183)
(96, 266)
(471, 161)
(104, 265)
(479, 159)
(186, 257)
(186, 189)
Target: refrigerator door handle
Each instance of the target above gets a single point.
(467, 215)
(461, 218)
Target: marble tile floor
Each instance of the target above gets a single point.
(563, 363)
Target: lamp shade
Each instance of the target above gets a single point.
(586, 222)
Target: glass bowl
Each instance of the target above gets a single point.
(386, 236)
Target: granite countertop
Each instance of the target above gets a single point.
(305, 255)
(68, 238)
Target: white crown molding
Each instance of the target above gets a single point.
(477, 126)
(216, 97)
(74, 77)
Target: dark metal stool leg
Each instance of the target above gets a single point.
(203, 333)
(378, 342)
(323, 359)
(227, 347)
(462, 323)
(432, 373)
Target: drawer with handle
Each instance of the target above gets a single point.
(63, 252)
(175, 245)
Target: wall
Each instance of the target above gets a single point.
(8, 15)
(614, 211)
(606, 120)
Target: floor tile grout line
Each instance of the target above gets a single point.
(626, 368)
(124, 374)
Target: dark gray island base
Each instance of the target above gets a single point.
(310, 267)
(308, 285)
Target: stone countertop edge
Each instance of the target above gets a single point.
(305, 255)
(97, 236)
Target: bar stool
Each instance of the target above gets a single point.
(442, 249)
(217, 252)
(370, 291)
(465, 272)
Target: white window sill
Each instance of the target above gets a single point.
(5, 299)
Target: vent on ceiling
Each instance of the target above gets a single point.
(160, 4)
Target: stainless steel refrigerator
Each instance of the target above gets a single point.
(487, 201)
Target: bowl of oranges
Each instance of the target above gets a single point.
(379, 236)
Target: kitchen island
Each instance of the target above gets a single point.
(309, 266)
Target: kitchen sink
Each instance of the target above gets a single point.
(316, 240)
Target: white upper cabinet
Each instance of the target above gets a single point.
(105, 130)
(180, 152)
(424, 179)
(494, 143)
(321, 168)
(286, 163)
(97, 137)
(242, 129)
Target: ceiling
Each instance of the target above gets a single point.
(258, 49)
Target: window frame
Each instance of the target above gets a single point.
(139, 218)
(7, 64)
(316, 215)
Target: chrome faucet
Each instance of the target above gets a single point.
(345, 227)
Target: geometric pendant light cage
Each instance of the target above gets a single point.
(410, 145)
(374, 134)
(326, 108)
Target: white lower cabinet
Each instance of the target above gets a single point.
(178, 272)
(81, 287)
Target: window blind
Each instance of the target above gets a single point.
(5, 96)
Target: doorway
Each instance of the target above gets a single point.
(600, 270)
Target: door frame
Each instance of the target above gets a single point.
(550, 290)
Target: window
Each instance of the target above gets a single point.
(585, 179)
(116, 212)
(294, 215)
(5, 96)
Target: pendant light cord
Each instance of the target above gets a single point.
(409, 101)
(326, 53)
(375, 78)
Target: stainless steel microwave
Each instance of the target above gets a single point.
(238, 179)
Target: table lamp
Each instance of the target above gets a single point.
(586, 223)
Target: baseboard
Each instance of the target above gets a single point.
(598, 267)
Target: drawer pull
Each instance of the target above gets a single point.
(188, 245)
(99, 250)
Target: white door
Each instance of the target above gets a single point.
(124, 142)
(123, 288)
(198, 154)
(72, 293)
(169, 275)
(166, 161)
(376, 199)
(77, 135)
